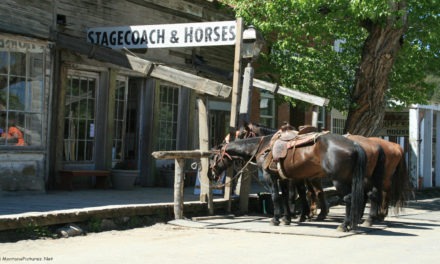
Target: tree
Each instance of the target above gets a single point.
(385, 50)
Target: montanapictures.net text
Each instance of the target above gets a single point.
(17, 259)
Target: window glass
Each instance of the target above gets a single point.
(79, 116)
(119, 118)
(21, 93)
(267, 109)
(168, 112)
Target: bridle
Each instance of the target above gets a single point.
(222, 153)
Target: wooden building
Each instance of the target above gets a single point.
(80, 106)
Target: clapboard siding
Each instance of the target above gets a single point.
(36, 18)
(31, 18)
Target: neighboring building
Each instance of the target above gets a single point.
(84, 107)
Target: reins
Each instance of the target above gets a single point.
(243, 168)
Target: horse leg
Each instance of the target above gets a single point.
(285, 186)
(305, 209)
(345, 226)
(319, 192)
(374, 207)
(292, 198)
(273, 183)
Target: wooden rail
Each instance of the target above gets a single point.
(179, 156)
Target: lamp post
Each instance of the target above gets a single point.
(251, 47)
(252, 44)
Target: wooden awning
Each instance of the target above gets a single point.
(143, 66)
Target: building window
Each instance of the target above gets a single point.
(168, 111)
(21, 94)
(79, 116)
(267, 109)
(337, 122)
(119, 117)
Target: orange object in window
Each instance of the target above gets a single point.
(15, 132)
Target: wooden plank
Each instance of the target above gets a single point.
(236, 81)
(178, 188)
(177, 154)
(309, 98)
(143, 66)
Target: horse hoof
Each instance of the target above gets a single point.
(321, 217)
(285, 221)
(274, 222)
(367, 223)
(343, 228)
(302, 219)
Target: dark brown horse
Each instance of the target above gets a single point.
(330, 155)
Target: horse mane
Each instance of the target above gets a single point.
(260, 130)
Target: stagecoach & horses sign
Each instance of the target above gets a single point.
(165, 35)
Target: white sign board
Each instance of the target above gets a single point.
(164, 36)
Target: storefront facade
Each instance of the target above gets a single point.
(81, 110)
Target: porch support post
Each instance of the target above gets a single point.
(427, 148)
(414, 142)
(437, 149)
(315, 112)
(179, 165)
(205, 183)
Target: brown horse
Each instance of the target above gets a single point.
(329, 155)
(397, 187)
(314, 188)
(373, 175)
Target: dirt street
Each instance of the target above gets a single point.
(411, 238)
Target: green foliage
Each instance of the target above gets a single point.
(300, 36)
(94, 225)
(33, 231)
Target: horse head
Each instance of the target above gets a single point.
(219, 162)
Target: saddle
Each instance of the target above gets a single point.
(281, 142)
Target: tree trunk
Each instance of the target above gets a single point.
(380, 49)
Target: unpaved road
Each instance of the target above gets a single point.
(410, 239)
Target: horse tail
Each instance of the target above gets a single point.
(357, 186)
(377, 179)
(401, 187)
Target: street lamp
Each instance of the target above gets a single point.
(253, 42)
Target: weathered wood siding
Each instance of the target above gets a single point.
(37, 18)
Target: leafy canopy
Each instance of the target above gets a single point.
(301, 34)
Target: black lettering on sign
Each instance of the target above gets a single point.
(120, 37)
(144, 37)
(198, 34)
(161, 36)
(217, 33)
(232, 32)
(189, 34)
(208, 33)
(224, 33)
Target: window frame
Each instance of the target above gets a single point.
(88, 126)
(33, 99)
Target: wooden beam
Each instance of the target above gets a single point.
(143, 66)
(178, 188)
(313, 99)
(178, 154)
(236, 81)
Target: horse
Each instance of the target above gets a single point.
(373, 175)
(314, 189)
(330, 155)
(289, 188)
(396, 186)
(387, 179)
